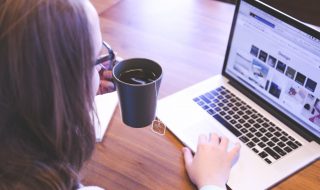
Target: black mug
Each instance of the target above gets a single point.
(137, 82)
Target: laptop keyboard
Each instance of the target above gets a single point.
(261, 135)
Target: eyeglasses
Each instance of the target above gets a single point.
(106, 54)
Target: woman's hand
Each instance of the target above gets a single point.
(106, 82)
(212, 162)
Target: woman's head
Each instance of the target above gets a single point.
(47, 52)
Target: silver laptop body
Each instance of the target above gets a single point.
(267, 98)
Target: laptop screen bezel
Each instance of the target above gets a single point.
(259, 100)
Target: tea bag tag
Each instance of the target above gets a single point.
(158, 127)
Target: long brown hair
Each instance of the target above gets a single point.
(46, 65)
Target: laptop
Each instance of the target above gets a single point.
(267, 98)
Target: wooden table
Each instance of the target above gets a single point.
(188, 38)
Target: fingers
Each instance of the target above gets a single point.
(234, 152)
(202, 139)
(214, 139)
(224, 142)
(188, 158)
(106, 86)
(106, 74)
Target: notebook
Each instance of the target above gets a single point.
(267, 97)
(105, 105)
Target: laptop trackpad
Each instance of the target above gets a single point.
(190, 134)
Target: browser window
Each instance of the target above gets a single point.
(279, 63)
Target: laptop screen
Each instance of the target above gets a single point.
(278, 62)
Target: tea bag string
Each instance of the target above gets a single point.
(158, 126)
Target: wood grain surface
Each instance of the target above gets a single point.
(188, 38)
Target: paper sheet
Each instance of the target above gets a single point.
(105, 106)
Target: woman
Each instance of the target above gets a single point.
(48, 81)
(46, 65)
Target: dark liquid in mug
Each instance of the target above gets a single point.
(137, 76)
